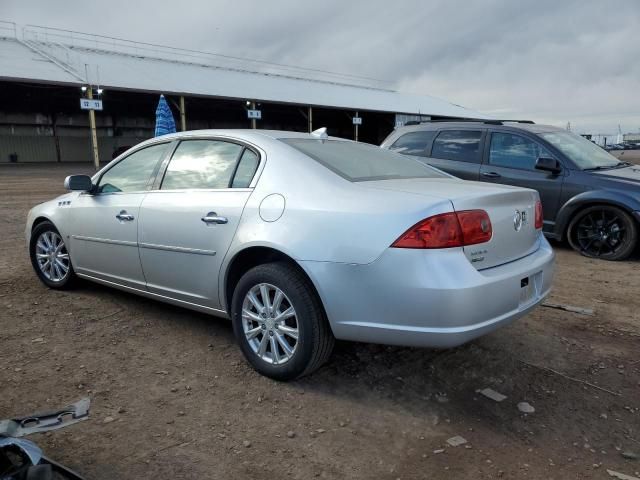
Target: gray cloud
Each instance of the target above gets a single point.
(550, 61)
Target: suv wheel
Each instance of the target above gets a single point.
(603, 231)
(50, 257)
(279, 322)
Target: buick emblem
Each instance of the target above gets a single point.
(519, 219)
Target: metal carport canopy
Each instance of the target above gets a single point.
(54, 62)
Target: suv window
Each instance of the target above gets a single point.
(461, 145)
(413, 143)
(132, 173)
(513, 151)
(201, 164)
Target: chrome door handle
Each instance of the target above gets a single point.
(124, 216)
(491, 174)
(212, 217)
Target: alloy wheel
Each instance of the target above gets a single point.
(52, 256)
(600, 232)
(270, 324)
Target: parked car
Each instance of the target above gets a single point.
(299, 239)
(589, 197)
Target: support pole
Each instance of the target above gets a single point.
(356, 129)
(94, 136)
(253, 120)
(183, 115)
(310, 118)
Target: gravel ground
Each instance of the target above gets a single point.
(172, 397)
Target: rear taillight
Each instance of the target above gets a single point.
(454, 229)
(539, 218)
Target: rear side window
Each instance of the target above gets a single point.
(132, 174)
(461, 145)
(513, 151)
(203, 164)
(359, 162)
(413, 143)
(246, 170)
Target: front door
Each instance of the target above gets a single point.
(104, 225)
(188, 223)
(511, 160)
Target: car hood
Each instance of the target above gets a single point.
(630, 174)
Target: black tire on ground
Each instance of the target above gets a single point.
(603, 231)
(315, 340)
(69, 279)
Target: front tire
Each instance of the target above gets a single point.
(603, 231)
(279, 322)
(50, 257)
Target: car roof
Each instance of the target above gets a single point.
(247, 134)
(497, 125)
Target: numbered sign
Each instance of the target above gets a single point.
(254, 114)
(357, 120)
(86, 104)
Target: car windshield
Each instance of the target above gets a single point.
(585, 154)
(359, 162)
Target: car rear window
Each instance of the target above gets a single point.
(359, 162)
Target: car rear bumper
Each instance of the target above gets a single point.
(429, 298)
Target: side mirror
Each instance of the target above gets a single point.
(81, 183)
(548, 164)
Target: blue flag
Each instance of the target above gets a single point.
(164, 118)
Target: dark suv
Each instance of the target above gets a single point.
(589, 197)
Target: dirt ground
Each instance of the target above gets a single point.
(184, 404)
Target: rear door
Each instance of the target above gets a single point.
(458, 152)
(510, 160)
(188, 222)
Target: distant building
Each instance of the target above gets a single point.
(631, 138)
(43, 70)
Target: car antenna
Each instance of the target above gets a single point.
(320, 133)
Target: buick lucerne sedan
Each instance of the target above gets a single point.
(299, 239)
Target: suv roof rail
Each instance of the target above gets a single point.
(476, 120)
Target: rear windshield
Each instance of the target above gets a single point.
(360, 162)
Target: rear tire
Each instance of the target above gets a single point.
(50, 258)
(603, 231)
(279, 322)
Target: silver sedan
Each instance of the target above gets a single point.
(299, 239)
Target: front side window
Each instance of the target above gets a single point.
(413, 143)
(585, 154)
(513, 151)
(460, 145)
(204, 164)
(358, 162)
(133, 173)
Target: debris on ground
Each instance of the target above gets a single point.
(457, 441)
(526, 407)
(492, 394)
(630, 455)
(570, 308)
(621, 476)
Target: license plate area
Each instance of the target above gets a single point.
(530, 289)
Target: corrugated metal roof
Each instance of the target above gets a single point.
(58, 56)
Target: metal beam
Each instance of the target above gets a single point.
(310, 118)
(183, 115)
(94, 136)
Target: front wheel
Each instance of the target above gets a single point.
(50, 257)
(603, 231)
(279, 322)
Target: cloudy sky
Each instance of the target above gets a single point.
(553, 61)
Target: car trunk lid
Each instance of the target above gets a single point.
(511, 211)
